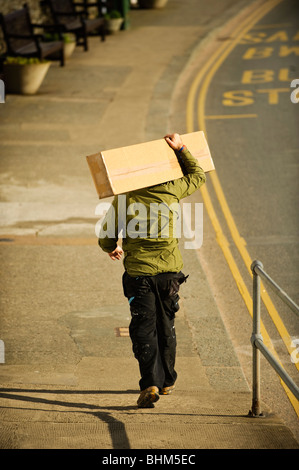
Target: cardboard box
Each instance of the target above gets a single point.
(118, 171)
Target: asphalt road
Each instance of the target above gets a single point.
(243, 99)
(257, 157)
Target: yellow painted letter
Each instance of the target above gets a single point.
(237, 98)
(258, 53)
(258, 76)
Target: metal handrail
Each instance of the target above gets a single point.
(257, 340)
(257, 268)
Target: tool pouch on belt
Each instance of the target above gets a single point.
(176, 282)
(171, 301)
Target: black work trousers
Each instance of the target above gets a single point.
(153, 303)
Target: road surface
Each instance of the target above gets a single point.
(244, 97)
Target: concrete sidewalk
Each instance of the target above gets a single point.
(70, 380)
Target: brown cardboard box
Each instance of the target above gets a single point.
(138, 166)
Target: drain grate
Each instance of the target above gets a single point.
(121, 331)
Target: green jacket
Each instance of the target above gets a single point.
(149, 242)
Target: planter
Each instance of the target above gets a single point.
(69, 44)
(68, 49)
(114, 24)
(152, 3)
(24, 79)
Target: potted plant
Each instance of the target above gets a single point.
(24, 75)
(69, 42)
(152, 3)
(114, 21)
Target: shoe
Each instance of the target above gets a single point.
(148, 397)
(167, 390)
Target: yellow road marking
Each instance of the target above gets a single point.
(208, 72)
(230, 116)
(216, 62)
(218, 189)
(239, 31)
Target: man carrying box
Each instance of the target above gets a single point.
(152, 276)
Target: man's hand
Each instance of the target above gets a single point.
(116, 254)
(174, 141)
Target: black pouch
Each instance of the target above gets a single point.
(137, 290)
(171, 300)
(176, 282)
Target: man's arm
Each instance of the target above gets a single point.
(195, 176)
(108, 235)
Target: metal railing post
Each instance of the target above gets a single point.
(257, 340)
(256, 334)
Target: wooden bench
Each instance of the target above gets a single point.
(21, 41)
(101, 6)
(67, 19)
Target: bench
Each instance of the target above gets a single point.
(21, 41)
(67, 19)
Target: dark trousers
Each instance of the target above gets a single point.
(153, 303)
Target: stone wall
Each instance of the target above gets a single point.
(7, 6)
(37, 13)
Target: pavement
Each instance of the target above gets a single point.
(69, 379)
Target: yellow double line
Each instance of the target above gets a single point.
(200, 86)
